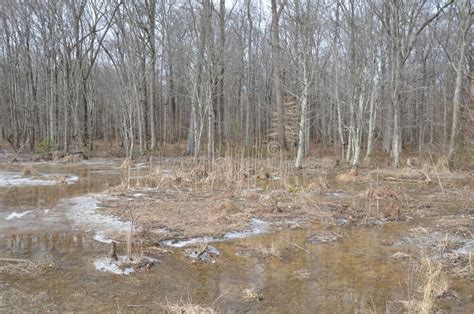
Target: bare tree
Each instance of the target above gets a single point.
(276, 65)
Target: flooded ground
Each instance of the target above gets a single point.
(272, 265)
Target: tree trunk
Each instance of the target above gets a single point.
(276, 65)
(458, 86)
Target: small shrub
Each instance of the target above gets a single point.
(45, 146)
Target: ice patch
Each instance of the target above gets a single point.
(15, 179)
(111, 266)
(257, 226)
(187, 242)
(337, 193)
(83, 211)
(102, 237)
(467, 248)
(118, 266)
(17, 215)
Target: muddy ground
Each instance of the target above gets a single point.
(232, 235)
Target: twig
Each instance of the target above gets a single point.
(299, 247)
(19, 151)
(15, 260)
(437, 175)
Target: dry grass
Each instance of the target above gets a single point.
(325, 237)
(435, 284)
(319, 186)
(183, 213)
(427, 281)
(29, 171)
(301, 274)
(274, 249)
(14, 266)
(350, 176)
(250, 295)
(72, 158)
(17, 301)
(187, 308)
(120, 189)
(197, 198)
(379, 193)
(221, 173)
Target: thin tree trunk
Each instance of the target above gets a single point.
(276, 64)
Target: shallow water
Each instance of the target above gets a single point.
(354, 274)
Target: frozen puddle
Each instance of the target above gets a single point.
(17, 215)
(102, 237)
(8, 179)
(466, 249)
(338, 193)
(83, 211)
(257, 226)
(111, 266)
(124, 266)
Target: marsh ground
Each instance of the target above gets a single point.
(323, 238)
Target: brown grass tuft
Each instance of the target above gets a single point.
(381, 193)
(250, 295)
(29, 171)
(301, 274)
(435, 284)
(350, 176)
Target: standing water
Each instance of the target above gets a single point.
(58, 225)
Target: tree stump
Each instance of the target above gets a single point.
(113, 251)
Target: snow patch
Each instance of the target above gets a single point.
(111, 266)
(17, 215)
(257, 226)
(187, 242)
(16, 179)
(83, 211)
(102, 237)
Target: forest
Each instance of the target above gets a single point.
(354, 75)
(244, 156)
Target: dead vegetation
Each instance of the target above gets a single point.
(29, 171)
(320, 185)
(382, 192)
(274, 250)
(15, 266)
(13, 300)
(325, 237)
(138, 263)
(301, 274)
(350, 176)
(251, 295)
(435, 283)
(426, 283)
(202, 252)
(186, 308)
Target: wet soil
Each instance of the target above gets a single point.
(300, 245)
